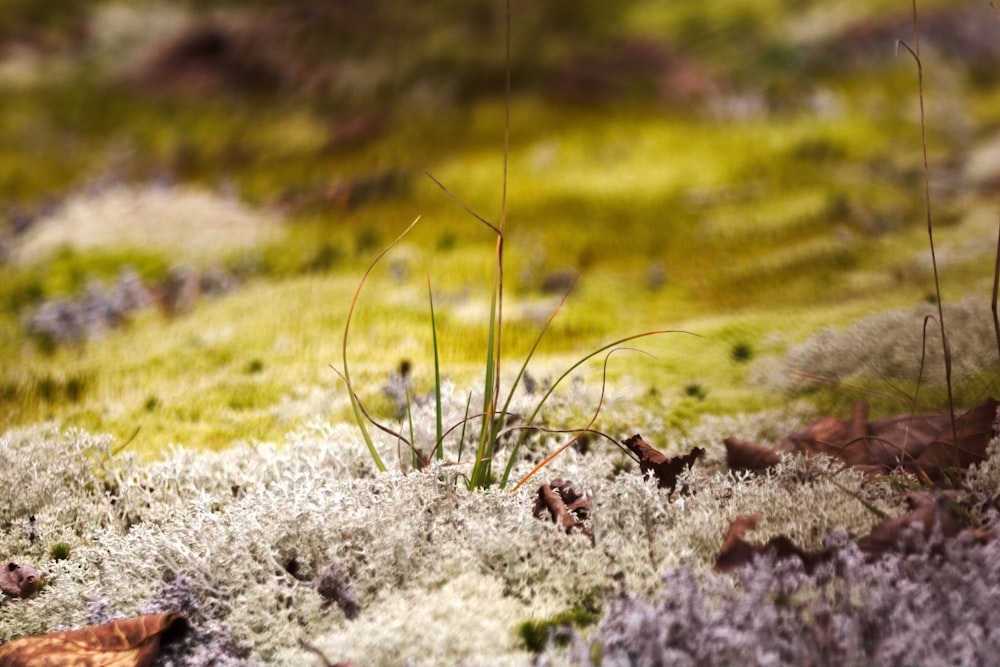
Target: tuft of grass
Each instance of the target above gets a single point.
(494, 421)
(59, 551)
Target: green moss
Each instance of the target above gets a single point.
(695, 390)
(67, 272)
(775, 223)
(537, 634)
(741, 352)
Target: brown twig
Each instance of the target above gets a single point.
(422, 460)
(996, 283)
(915, 52)
(548, 459)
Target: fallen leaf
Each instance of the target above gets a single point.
(665, 469)
(847, 440)
(931, 512)
(19, 581)
(974, 430)
(736, 551)
(124, 643)
(745, 455)
(924, 445)
(936, 515)
(565, 504)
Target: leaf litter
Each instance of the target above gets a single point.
(927, 447)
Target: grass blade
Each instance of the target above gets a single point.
(548, 459)
(415, 458)
(484, 452)
(465, 421)
(359, 412)
(531, 352)
(439, 425)
(581, 361)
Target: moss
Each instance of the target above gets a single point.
(695, 390)
(537, 634)
(823, 202)
(741, 352)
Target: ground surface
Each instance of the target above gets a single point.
(186, 218)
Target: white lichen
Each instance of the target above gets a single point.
(441, 575)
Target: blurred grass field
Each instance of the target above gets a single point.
(788, 198)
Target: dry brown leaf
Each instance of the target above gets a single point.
(932, 512)
(124, 643)
(921, 444)
(19, 581)
(736, 551)
(974, 430)
(936, 515)
(846, 440)
(565, 505)
(745, 455)
(665, 469)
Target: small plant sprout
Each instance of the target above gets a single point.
(59, 551)
(494, 417)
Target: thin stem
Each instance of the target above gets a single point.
(498, 346)
(360, 415)
(996, 285)
(458, 201)
(534, 347)
(930, 226)
(506, 121)
(385, 429)
(566, 373)
(488, 439)
(439, 427)
(548, 459)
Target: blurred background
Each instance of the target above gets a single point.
(190, 191)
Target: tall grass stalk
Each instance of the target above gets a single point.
(996, 288)
(915, 52)
(438, 420)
